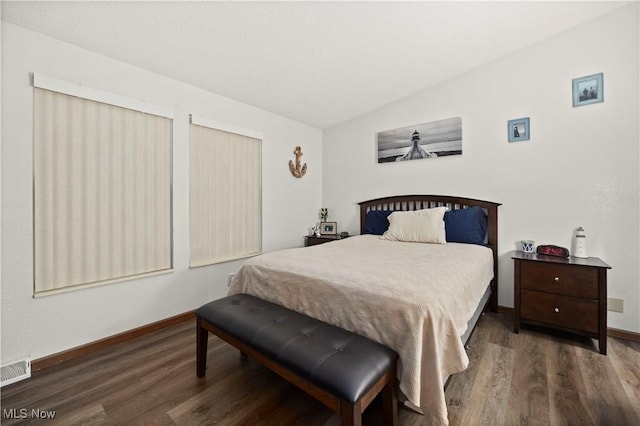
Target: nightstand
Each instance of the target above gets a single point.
(312, 240)
(564, 293)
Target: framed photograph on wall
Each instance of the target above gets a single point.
(435, 139)
(518, 129)
(328, 228)
(588, 90)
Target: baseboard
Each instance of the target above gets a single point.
(51, 360)
(505, 310)
(57, 358)
(611, 332)
(623, 334)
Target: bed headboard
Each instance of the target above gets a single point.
(417, 202)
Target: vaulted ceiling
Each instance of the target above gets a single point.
(320, 63)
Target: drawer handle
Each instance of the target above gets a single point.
(556, 310)
(556, 279)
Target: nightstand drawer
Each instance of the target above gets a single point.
(564, 311)
(560, 279)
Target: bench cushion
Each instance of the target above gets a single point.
(338, 361)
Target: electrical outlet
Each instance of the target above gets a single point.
(615, 305)
(230, 278)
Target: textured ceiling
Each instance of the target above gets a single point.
(320, 63)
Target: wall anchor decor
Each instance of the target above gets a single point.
(297, 170)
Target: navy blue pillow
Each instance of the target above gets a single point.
(376, 222)
(466, 225)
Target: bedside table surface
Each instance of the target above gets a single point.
(578, 261)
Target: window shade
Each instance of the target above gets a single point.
(224, 196)
(102, 192)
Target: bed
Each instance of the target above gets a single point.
(422, 300)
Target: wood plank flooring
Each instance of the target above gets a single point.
(533, 378)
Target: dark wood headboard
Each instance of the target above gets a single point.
(418, 202)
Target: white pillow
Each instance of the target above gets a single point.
(421, 226)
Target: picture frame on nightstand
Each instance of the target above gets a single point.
(328, 228)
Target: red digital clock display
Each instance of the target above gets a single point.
(551, 250)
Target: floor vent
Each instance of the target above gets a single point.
(15, 372)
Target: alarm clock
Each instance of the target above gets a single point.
(551, 250)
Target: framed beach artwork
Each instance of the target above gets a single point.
(428, 140)
(518, 129)
(588, 90)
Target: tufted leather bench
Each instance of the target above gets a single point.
(341, 369)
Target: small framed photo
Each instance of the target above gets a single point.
(518, 129)
(328, 228)
(588, 90)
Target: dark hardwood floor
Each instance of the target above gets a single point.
(529, 378)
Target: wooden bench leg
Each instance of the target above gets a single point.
(390, 403)
(351, 414)
(202, 338)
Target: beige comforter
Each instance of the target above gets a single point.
(415, 298)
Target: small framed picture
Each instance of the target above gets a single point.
(518, 129)
(328, 228)
(588, 90)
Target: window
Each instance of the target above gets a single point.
(102, 189)
(225, 214)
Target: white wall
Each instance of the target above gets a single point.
(43, 326)
(0, 173)
(580, 167)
